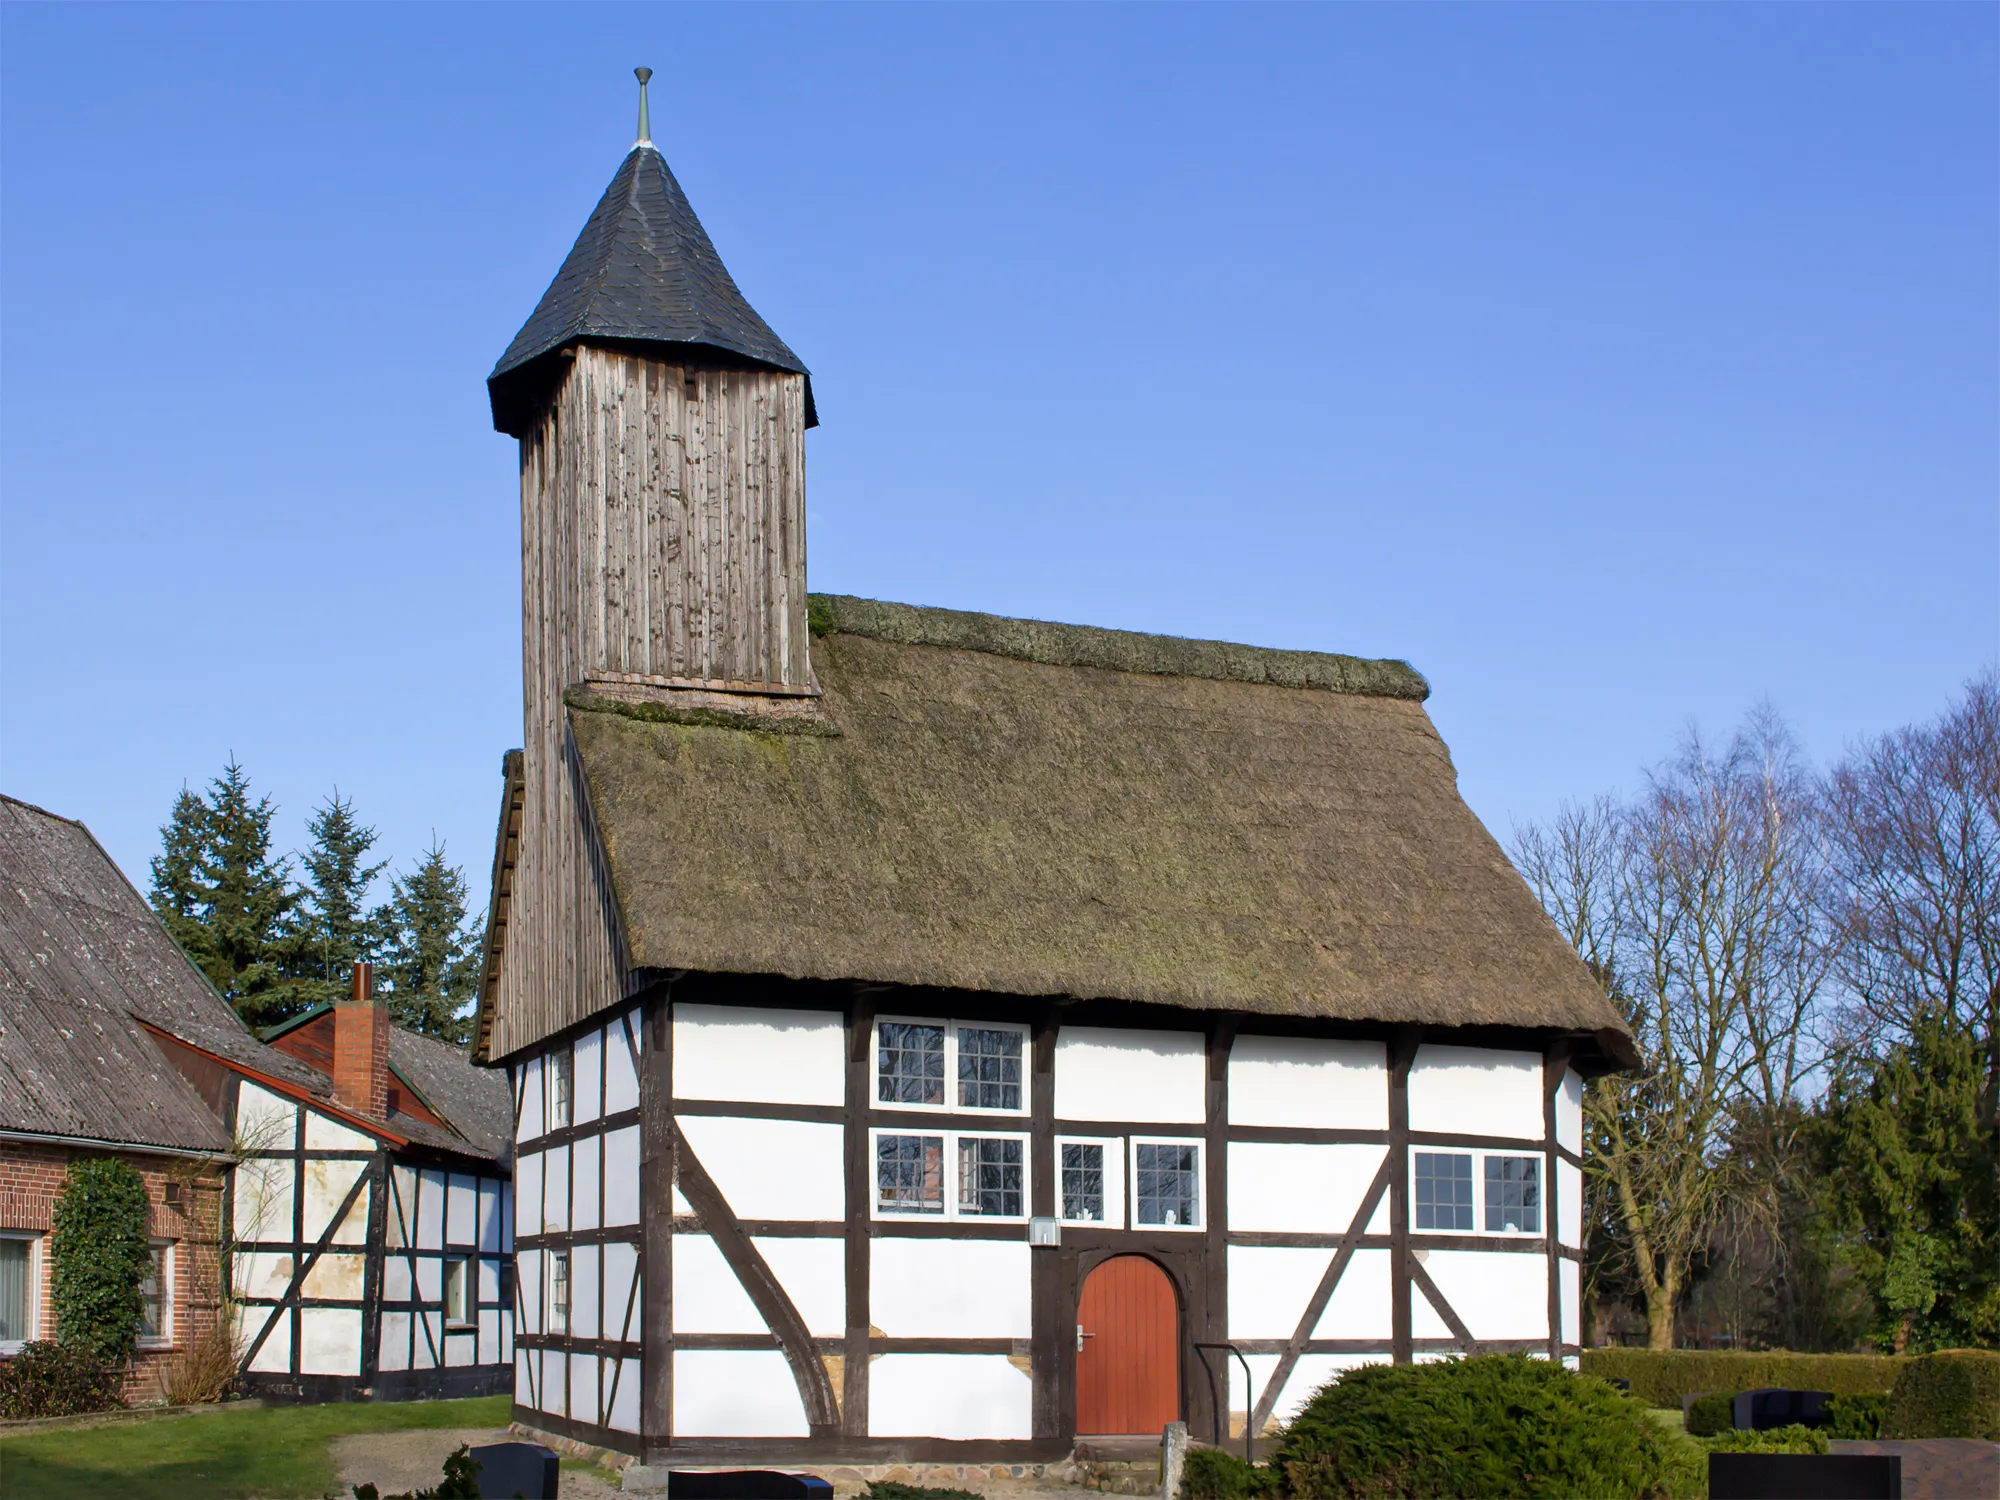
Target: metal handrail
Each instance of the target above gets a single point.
(1219, 1408)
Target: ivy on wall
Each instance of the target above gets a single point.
(98, 1256)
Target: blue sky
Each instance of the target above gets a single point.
(1618, 366)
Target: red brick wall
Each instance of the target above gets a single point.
(32, 1175)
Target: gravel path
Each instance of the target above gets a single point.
(403, 1462)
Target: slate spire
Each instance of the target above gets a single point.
(643, 271)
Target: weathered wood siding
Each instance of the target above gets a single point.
(663, 542)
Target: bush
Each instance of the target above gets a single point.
(54, 1380)
(888, 1489)
(205, 1370)
(98, 1255)
(1792, 1439)
(1660, 1377)
(1216, 1474)
(1954, 1393)
(1710, 1414)
(1497, 1424)
(1855, 1417)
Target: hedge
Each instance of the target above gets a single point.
(1660, 1377)
(1953, 1393)
(55, 1380)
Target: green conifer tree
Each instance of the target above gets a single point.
(430, 961)
(228, 902)
(335, 929)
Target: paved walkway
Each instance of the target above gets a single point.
(1940, 1468)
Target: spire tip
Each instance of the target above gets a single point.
(644, 75)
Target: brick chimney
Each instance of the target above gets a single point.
(361, 1048)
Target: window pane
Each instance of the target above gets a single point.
(1444, 1191)
(1083, 1182)
(1168, 1189)
(454, 1291)
(989, 1068)
(559, 1292)
(909, 1174)
(13, 1290)
(910, 1064)
(989, 1176)
(563, 1075)
(1514, 1193)
(149, 1292)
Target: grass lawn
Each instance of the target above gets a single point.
(274, 1452)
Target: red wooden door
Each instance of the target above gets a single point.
(1128, 1375)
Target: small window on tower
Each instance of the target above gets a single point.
(561, 1079)
(457, 1285)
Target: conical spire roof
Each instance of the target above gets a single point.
(642, 270)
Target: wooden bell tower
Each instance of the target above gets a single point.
(663, 551)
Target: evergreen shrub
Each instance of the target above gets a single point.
(1954, 1393)
(1497, 1424)
(889, 1489)
(1858, 1417)
(1660, 1377)
(1711, 1414)
(1792, 1439)
(54, 1380)
(98, 1255)
(1217, 1474)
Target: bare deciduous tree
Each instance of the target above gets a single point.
(1697, 906)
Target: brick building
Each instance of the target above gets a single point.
(341, 1195)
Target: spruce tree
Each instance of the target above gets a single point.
(335, 930)
(228, 902)
(430, 963)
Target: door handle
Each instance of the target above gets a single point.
(1081, 1336)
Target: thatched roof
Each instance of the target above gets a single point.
(1036, 809)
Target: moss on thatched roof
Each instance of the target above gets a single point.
(1052, 810)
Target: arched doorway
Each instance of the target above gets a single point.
(1128, 1376)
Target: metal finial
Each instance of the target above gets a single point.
(645, 119)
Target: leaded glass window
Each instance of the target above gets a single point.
(1168, 1182)
(989, 1176)
(989, 1068)
(1514, 1193)
(1444, 1191)
(909, 1063)
(909, 1174)
(1083, 1182)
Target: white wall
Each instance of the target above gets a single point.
(925, 1288)
(709, 1299)
(1569, 1203)
(1110, 1074)
(949, 1396)
(1304, 1082)
(1299, 1188)
(1497, 1295)
(1569, 1113)
(735, 1393)
(772, 1169)
(1269, 1287)
(1476, 1091)
(763, 1056)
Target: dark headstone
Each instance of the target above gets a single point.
(1804, 1476)
(745, 1484)
(1772, 1406)
(525, 1469)
(1622, 1383)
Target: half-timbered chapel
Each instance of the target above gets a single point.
(936, 1035)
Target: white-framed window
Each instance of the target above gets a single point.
(950, 1174)
(1090, 1186)
(19, 1261)
(457, 1291)
(951, 1066)
(1513, 1194)
(1453, 1187)
(558, 1292)
(561, 1072)
(156, 1291)
(1166, 1183)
